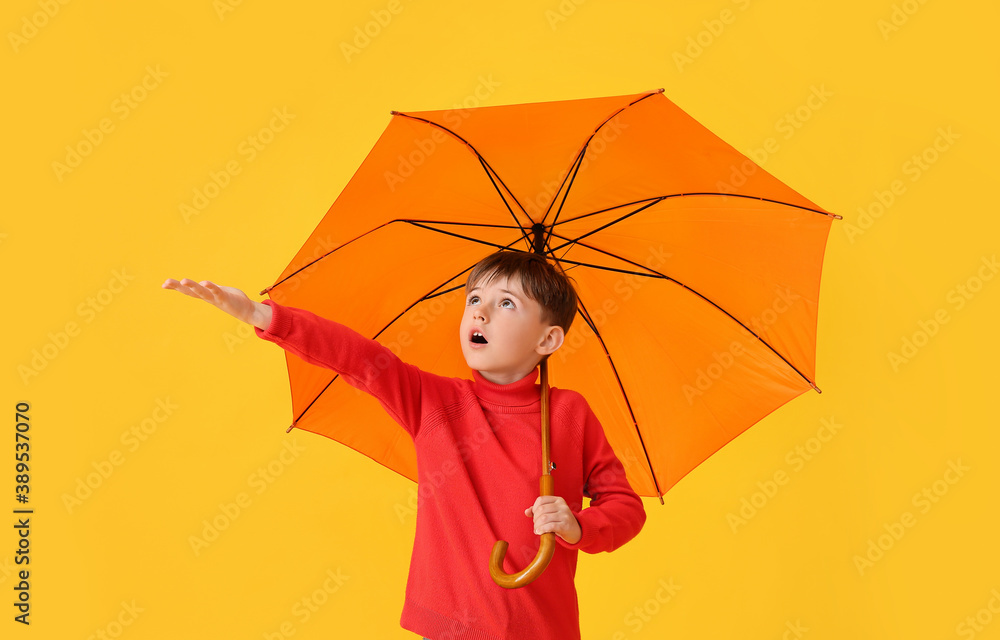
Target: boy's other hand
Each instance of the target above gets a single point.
(229, 299)
(551, 513)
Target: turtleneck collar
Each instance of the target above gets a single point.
(521, 393)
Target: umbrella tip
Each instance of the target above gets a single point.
(290, 427)
(395, 113)
(660, 90)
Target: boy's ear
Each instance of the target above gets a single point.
(551, 341)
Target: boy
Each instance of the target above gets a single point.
(483, 435)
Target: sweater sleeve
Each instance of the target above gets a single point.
(616, 513)
(362, 362)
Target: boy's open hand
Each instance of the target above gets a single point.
(551, 513)
(229, 299)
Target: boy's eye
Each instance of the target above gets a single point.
(503, 303)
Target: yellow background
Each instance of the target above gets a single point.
(789, 571)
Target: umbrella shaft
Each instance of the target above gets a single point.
(545, 482)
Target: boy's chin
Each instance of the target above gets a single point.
(473, 362)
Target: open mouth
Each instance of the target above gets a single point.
(478, 338)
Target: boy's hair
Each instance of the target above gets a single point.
(541, 281)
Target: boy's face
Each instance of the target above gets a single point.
(514, 336)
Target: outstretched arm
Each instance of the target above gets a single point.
(362, 362)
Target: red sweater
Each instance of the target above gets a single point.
(484, 440)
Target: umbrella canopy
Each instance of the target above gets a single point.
(697, 271)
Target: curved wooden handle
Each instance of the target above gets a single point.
(546, 548)
(547, 545)
(529, 573)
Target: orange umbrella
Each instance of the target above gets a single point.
(697, 271)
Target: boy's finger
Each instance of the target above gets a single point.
(176, 285)
(181, 287)
(195, 290)
(199, 289)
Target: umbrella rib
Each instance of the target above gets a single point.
(583, 150)
(617, 206)
(306, 266)
(465, 224)
(458, 235)
(666, 277)
(489, 174)
(651, 201)
(609, 254)
(574, 169)
(702, 193)
(605, 226)
(482, 160)
(432, 294)
(621, 386)
(444, 291)
(335, 249)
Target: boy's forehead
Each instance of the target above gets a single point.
(498, 281)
